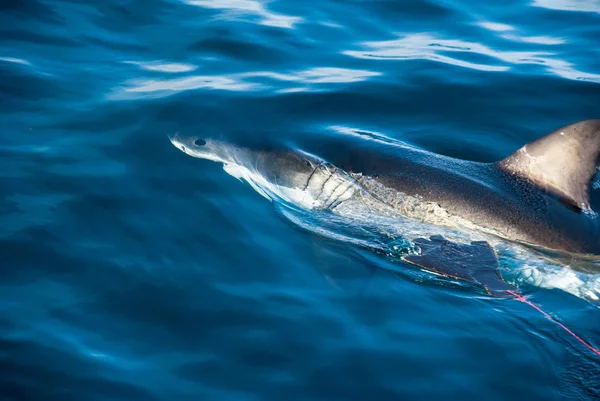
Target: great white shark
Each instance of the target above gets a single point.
(538, 196)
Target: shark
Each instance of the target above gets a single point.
(538, 196)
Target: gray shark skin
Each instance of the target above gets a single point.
(538, 196)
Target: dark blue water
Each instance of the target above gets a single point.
(130, 271)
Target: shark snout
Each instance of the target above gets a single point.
(185, 143)
(202, 148)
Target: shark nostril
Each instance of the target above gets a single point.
(199, 142)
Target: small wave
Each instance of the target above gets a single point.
(498, 27)
(495, 26)
(540, 40)
(14, 60)
(163, 67)
(316, 75)
(428, 47)
(569, 5)
(241, 82)
(161, 88)
(24, 66)
(234, 9)
(370, 135)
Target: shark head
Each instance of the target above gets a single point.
(290, 174)
(200, 148)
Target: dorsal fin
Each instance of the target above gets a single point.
(562, 162)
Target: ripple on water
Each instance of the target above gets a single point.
(244, 82)
(163, 66)
(426, 46)
(14, 60)
(247, 9)
(569, 5)
(131, 271)
(497, 27)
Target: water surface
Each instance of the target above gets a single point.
(131, 271)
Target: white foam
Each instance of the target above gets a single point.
(528, 267)
(580, 284)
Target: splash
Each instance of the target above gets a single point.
(589, 213)
(525, 267)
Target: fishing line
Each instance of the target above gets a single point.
(522, 298)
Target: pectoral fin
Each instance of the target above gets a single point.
(475, 263)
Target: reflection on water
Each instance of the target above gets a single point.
(171, 86)
(237, 82)
(428, 47)
(318, 75)
(239, 9)
(14, 60)
(425, 46)
(497, 27)
(569, 5)
(163, 67)
(541, 40)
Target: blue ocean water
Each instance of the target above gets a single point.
(131, 271)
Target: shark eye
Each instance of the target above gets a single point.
(199, 142)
